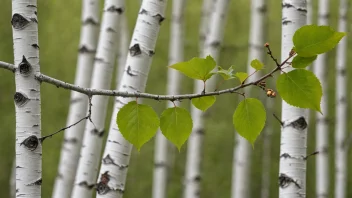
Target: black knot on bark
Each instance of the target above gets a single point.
(159, 17)
(31, 143)
(98, 133)
(108, 160)
(20, 99)
(19, 22)
(25, 67)
(115, 9)
(285, 181)
(102, 186)
(300, 123)
(135, 50)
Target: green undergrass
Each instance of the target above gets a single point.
(59, 27)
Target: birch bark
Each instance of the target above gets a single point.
(113, 171)
(194, 153)
(204, 23)
(243, 150)
(292, 173)
(72, 143)
(321, 131)
(103, 66)
(341, 107)
(162, 162)
(27, 99)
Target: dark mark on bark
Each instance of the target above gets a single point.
(286, 22)
(35, 125)
(200, 131)
(197, 178)
(262, 9)
(299, 124)
(285, 181)
(20, 99)
(285, 155)
(19, 22)
(102, 186)
(109, 29)
(86, 185)
(129, 71)
(91, 21)
(36, 46)
(342, 72)
(160, 165)
(19, 167)
(71, 140)
(143, 11)
(33, 20)
(36, 183)
(25, 67)
(31, 6)
(115, 9)
(159, 17)
(75, 100)
(342, 100)
(135, 50)
(98, 133)
(151, 53)
(84, 49)
(31, 143)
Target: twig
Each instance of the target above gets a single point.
(74, 124)
(271, 54)
(278, 119)
(314, 153)
(7, 66)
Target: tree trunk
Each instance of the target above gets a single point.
(322, 130)
(162, 145)
(242, 149)
(292, 173)
(27, 99)
(103, 67)
(341, 107)
(113, 171)
(204, 23)
(194, 153)
(309, 12)
(72, 143)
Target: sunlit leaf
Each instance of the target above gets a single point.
(257, 65)
(242, 76)
(203, 103)
(302, 62)
(226, 74)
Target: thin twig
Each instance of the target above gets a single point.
(88, 117)
(314, 153)
(7, 66)
(278, 119)
(271, 54)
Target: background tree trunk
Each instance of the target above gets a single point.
(163, 148)
(118, 150)
(292, 173)
(341, 147)
(195, 142)
(103, 67)
(27, 99)
(72, 143)
(322, 129)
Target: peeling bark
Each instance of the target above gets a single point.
(138, 64)
(195, 141)
(27, 99)
(104, 61)
(163, 148)
(341, 150)
(292, 173)
(72, 143)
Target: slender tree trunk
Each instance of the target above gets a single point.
(204, 23)
(103, 67)
(27, 99)
(72, 143)
(341, 147)
(309, 12)
(13, 180)
(243, 150)
(163, 148)
(194, 153)
(113, 171)
(122, 51)
(322, 130)
(292, 173)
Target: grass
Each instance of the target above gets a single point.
(59, 27)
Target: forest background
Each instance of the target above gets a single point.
(59, 30)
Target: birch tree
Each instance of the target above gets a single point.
(27, 99)
(72, 143)
(242, 149)
(113, 171)
(204, 23)
(163, 148)
(322, 130)
(341, 107)
(292, 173)
(211, 47)
(103, 66)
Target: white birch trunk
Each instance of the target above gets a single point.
(341, 107)
(72, 143)
(113, 171)
(243, 149)
(292, 173)
(195, 142)
(27, 99)
(13, 180)
(163, 148)
(309, 12)
(122, 51)
(204, 23)
(103, 67)
(321, 131)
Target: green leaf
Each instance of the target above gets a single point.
(300, 88)
(203, 103)
(311, 40)
(302, 62)
(242, 76)
(225, 74)
(176, 125)
(137, 123)
(196, 68)
(257, 65)
(249, 119)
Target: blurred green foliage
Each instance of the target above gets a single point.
(59, 27)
